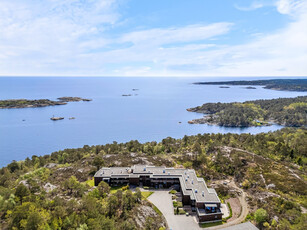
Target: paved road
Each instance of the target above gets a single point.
(244, 212)
(163, 201)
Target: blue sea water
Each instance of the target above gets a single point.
(153, 114)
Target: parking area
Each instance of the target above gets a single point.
(163, 201)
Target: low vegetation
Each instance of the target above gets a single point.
(55, 191)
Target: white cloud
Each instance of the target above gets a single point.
(36, 36)
(253, 6)
(70, 37)
(291, 7)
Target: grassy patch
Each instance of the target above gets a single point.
(90, 182)
(146, 194)
(207, 225)
(157, 210)
(230, 212)
(115, 188)
(173, 192)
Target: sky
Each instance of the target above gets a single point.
(153, 38)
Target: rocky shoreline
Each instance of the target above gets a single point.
(25, 103)
(213, 120)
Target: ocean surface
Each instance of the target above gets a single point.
(152, 113)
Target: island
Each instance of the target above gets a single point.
(56, 118)
(70, 99)
(26, 103)
(275, 84)
(250, 87)
(282, 111)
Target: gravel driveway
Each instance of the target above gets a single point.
(163, 201)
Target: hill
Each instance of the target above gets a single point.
(56, 191)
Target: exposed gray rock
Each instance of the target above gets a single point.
(49, 187)
(271, 186)
(50, 165)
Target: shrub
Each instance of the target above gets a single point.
(261, 216)
(173, 192)
(181, 211)
(124, 188)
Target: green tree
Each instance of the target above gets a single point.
(138, 194)
(103, 189)
(261, 216)
(74, 186)
(98, 162)
(112, 205)
(21, 192)
(197, 149)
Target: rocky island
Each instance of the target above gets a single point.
(25, 103)
(282, 111)
(71, 99)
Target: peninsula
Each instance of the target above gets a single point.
(275, 84)
(282, 111)
(25, 103)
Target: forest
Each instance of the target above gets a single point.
(276, 84)
(56, 191)
(282, 111)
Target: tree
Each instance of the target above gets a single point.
(128, 200)
(74, 186)
(138, 194)
(197, 149)
(261, 216)
(13, 166)
(112, 205)
(21, 192)
(103, 189)
(128, 225)
(98, 162)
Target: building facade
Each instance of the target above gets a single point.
(204, 201)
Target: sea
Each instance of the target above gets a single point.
(155, 110)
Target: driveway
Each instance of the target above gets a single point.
(163, 201)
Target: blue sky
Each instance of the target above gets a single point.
(153, 38)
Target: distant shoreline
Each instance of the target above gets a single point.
(299, 85)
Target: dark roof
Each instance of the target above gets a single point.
(191, 185)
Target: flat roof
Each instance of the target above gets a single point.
(191, 185)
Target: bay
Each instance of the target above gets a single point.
(152, 113)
